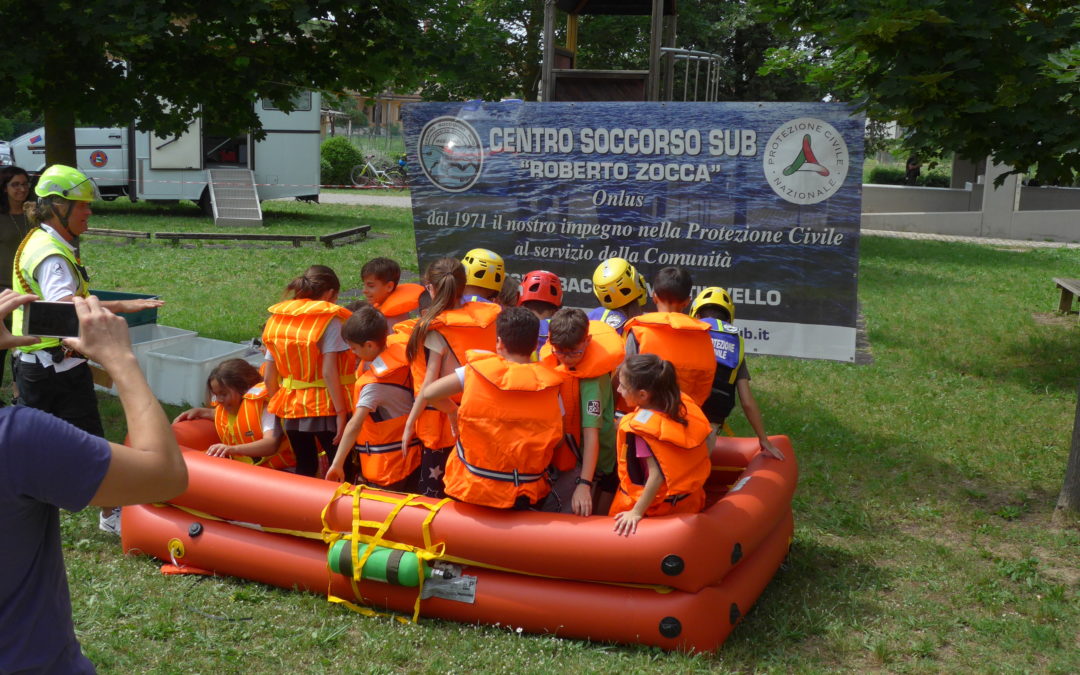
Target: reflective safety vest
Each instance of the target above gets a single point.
(729, 350)
(379, 442)
(509, 424)
(35, 247)
(611, 317)
(604, 353)
(472, 326)
(682, 340)
(404, 299)
(246, 427)
(292, 335)
(680, 450)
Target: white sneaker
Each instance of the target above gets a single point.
(111, 522)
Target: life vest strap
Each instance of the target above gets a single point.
(514, 477)
(293, 383)
(382, 448)
(675, 499)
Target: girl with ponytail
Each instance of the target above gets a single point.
(662, 445)
(303, 340)
(446, 330)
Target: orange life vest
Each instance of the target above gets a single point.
(348, 365)
(246, 427)
(604, 353)
(510, 423)
(682, 340)
(379, 441)
(292, 335)
(681, 451)
(404, 299)
(471, 326)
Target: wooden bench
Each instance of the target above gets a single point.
(1070, 288)
(130, 235)
(330, 239)
(175, 237)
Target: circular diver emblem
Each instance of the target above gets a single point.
(806, 161)
(98, 158)
(451, 155)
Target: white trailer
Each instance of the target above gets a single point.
(226, 175)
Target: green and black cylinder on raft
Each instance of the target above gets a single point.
(388, 565)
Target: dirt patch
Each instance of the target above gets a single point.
(1054, 319)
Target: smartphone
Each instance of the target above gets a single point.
(50, 319)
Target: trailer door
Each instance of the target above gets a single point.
(286, 161)
(177, 152)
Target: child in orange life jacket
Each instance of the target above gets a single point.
(246, 429)
(662, 446)
(541, 294)
(584, 352)
(382, 288)
(673, 336)
(384, 398)
(304, 348)
(484, 275)
(621, 292)
(714, 306)
(437, 345)
(509, 421)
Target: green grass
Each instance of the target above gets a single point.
(927, 481)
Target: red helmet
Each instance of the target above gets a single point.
(541, 285)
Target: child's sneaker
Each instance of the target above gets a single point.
(110, 523)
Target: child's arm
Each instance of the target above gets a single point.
(195, 414)
(753, 416)
(433, 365)
(333, 388)
(336, 472)
(626, 522)
(264, 447)
(590, 450)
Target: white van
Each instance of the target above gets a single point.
(140, 165)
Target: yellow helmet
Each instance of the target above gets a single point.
(484, 268)
(616, 283)
(67, 182)
(713, 295)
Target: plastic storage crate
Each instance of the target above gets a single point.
(138, 318)
(145, 339)
(177, 373)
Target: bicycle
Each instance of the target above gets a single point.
(367, 174)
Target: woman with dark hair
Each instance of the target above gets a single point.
(14, 191)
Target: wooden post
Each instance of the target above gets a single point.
(656, 31)
(548, 85)
(1067, 511)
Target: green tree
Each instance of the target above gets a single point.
(108, 62)
(975, 78)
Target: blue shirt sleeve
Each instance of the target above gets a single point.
(48, 460)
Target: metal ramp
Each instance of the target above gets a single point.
(234, 197)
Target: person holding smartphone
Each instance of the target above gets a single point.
(47, 464)
(49, 376)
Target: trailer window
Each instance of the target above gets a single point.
(301, 101)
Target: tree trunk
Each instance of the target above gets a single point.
(1067, 511)
(60, 137)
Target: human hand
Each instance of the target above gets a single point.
(219, 450)
(9, 300)
(581, 502)
(406, 439)
(195, 414)
(770, 449)
(336, 474)
(103, 336)
(342, 420)
(139, 304)
(626, 522)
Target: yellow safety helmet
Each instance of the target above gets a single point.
(67, 182)
(713, 295)
(616, 283)
(484, 268)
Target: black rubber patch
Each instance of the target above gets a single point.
(734, 614)
(736, 553)
(670, 627)
(195, 530)
(672, 565)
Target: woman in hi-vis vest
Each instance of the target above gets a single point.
(303, 339)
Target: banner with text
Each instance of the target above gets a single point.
(763, 199)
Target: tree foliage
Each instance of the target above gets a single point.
(975, 78)
(110, 62)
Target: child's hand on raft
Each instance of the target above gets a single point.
(771, 450)
(335, 474)
(582, 500)
(195, 414)
(626, 523)
(219, 450)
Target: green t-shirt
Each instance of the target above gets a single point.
(598, 412)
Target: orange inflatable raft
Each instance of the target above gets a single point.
(681, 582)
